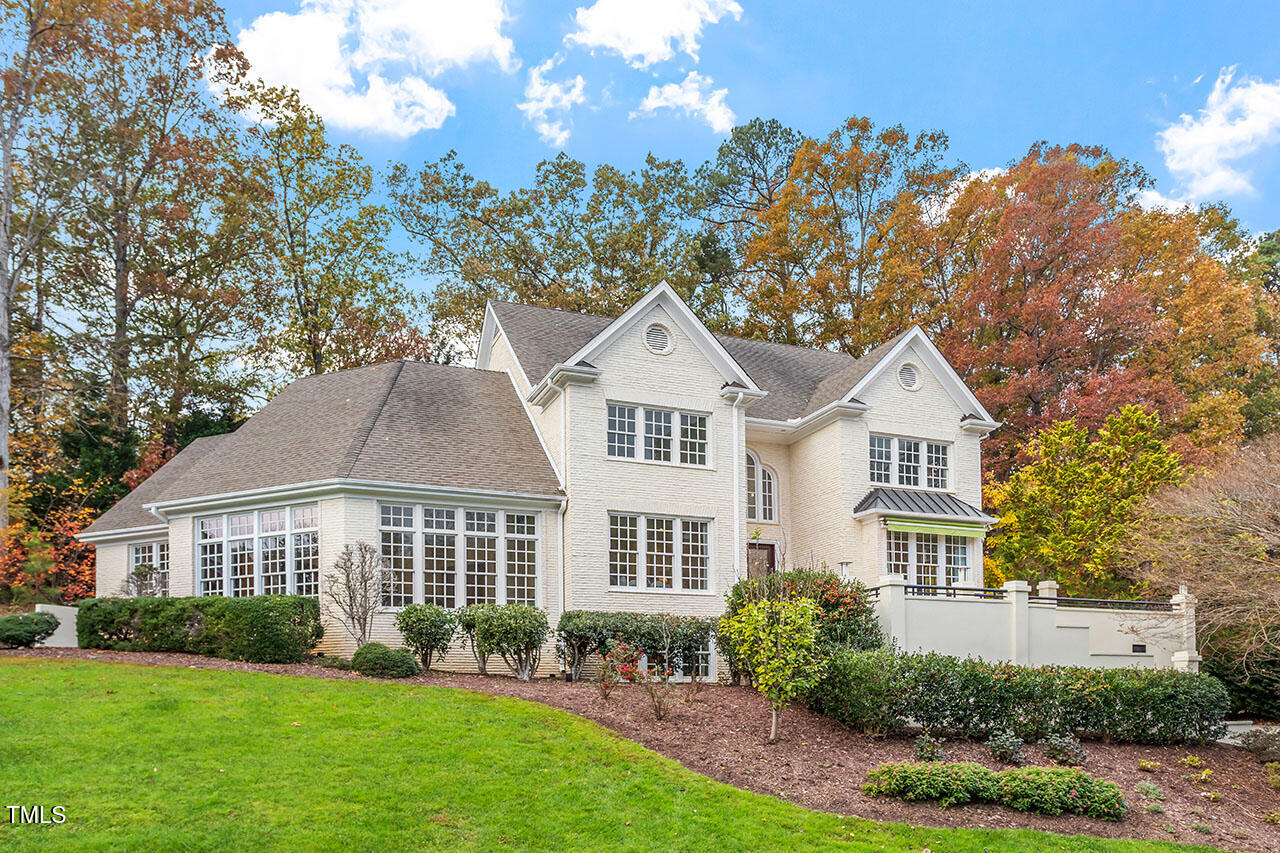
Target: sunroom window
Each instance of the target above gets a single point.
(492, 559)
(272, 551)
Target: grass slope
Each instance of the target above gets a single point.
(165, 759)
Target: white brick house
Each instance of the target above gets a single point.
(640, 463)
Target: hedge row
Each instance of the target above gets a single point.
(24, 630)
(584, 633)
(258, 629)
(1044, 790)
(883, 690)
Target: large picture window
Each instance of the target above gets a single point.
(249, 553)
(762, 497)
(659, 553)
(909, 462)
(667, 435)
(453, 556)
(928, 559)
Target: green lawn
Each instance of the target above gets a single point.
(167, 759)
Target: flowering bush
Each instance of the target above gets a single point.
(928, 748)
(1044, 790)
(620, 663)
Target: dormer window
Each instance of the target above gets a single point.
(896, 461)
(762, 499)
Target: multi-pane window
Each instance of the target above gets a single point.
(397, 567)
(667, 549)
(957, 560)
(928, 559)
(936, 465)
(657, 435)
(522, 558)
(881, 459)
(622, 431)
(693, 439)
(695, 554)
(762, 498)
(273, 551)
(624, 549)
(210, 553)
(898, 553)
(492, 559)
(660, 552)
(149, 565)
(898, 462)
(668, 436)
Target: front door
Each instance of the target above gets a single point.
(762, 559)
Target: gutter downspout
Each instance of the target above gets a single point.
(737, 491)
(564, 504)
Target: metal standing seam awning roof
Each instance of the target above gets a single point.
(915, 508)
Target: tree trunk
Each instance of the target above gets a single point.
(120, 349)
(773, 726)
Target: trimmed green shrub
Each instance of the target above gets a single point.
(377, 661)
(1044, 790)
(257, 629)
(467, 619)
(860, 689)
(665, 638)
(1262, 744)
(1255, 692)
(515, 632)
(427, 630)
(973, 698)
(24, 630)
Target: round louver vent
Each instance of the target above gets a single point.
(908, 377)
(657, 339)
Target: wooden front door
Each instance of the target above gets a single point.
(762, 559)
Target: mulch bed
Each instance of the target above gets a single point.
(821, 764)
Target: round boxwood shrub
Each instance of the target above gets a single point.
(377, 661)
(427, 630)
(24, 630)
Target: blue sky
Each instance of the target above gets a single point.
(1189, 90)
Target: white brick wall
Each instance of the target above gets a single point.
(112, 562)
(684, 379)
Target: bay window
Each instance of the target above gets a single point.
(928, 559)
(672, 553)
(422, 548)
(248, 553)
(896, 461)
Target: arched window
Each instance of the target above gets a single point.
(762, 495)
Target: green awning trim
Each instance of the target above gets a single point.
(941, 528)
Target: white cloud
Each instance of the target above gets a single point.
(543, 98)
(1150, 199)
(644, 33)
(694, 96)
(366, 64)
(1239, 118)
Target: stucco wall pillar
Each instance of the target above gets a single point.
(891, 607)
(1017, 593)
(1184, 608)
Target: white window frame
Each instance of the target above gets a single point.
(944, 557)
(636, 449)
(642, 579)
(432, 519)
(922, 466)
(293, 529)
(758, 474)
(161, 566)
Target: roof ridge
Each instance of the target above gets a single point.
(366, 428)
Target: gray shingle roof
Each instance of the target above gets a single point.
(799, 380)
(129, 511)
(401, 422)
(915, 501)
